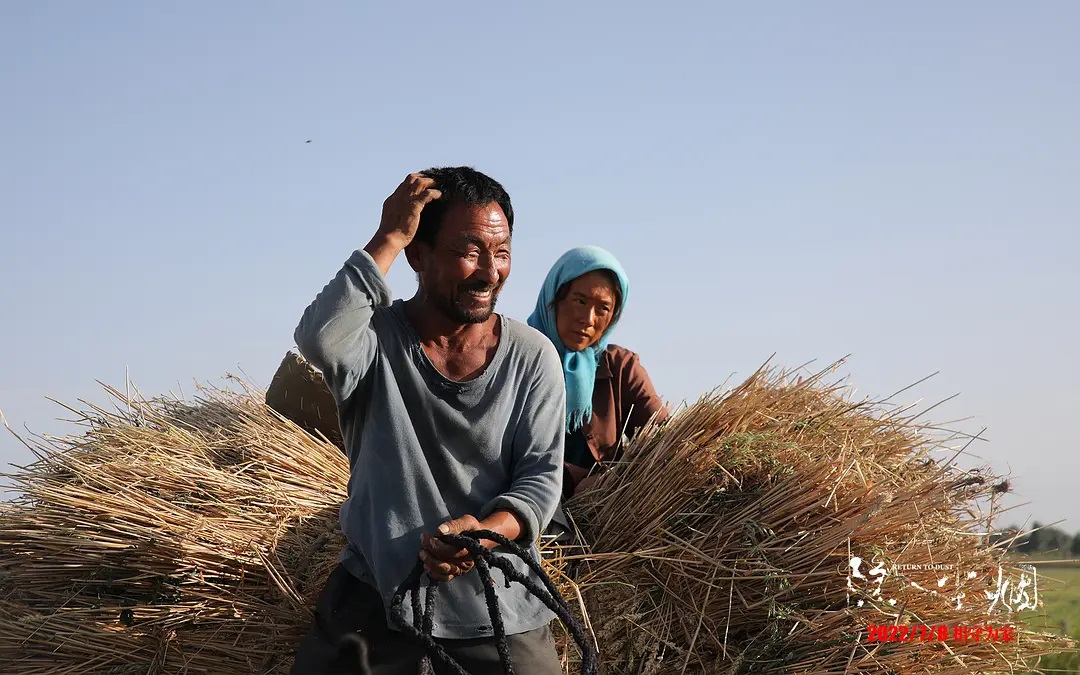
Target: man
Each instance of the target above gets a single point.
(452, 417)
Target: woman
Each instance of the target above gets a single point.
(608, 392)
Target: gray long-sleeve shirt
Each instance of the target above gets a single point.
(424, 449)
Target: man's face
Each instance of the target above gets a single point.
(464, 272)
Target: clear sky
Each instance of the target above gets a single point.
(894, 181)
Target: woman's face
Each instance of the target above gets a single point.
(587, 310)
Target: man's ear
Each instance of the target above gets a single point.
(417, 253)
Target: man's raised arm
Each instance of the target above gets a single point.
(335, 333)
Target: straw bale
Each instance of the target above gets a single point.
(724, 542)
(194, 537)
(170, 538)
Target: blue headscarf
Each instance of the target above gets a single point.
(579, 368)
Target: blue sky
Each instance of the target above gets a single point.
(894, 182)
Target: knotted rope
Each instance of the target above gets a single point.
(423, 618)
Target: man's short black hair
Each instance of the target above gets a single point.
(464, 185)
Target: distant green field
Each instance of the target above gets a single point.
(1059, 593)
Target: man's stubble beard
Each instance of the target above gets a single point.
(456, 312)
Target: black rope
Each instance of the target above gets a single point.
(485, 559)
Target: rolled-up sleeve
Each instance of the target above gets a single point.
(536, 484)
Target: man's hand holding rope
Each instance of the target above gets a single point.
(443, 562)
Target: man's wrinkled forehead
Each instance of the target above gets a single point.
(490, 239)
(477, 225)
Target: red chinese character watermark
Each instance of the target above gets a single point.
(922, 633)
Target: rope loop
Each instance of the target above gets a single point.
(545, 591)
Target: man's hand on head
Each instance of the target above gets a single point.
(401, 210)
(401, 218)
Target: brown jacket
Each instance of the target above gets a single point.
(623, 399)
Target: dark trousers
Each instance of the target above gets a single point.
(348, 606)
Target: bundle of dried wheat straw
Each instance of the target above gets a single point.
(194, 537)
(170, 538)
(724, 542)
